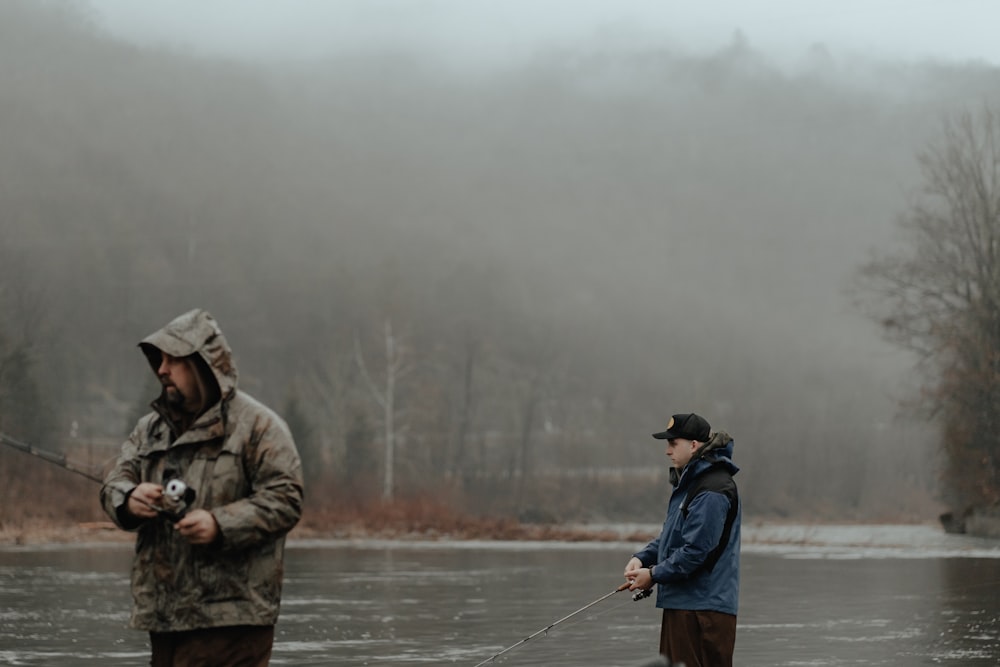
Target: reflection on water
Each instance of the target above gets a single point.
(821, 601)
(866, 612)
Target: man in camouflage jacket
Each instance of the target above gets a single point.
(207, 572)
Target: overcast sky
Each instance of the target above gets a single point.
(502, 32)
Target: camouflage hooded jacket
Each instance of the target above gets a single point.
(239, 458)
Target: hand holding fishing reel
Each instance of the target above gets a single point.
(177, 499)
(640, 594)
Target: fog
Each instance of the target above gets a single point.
(486, 33)
(574, 227)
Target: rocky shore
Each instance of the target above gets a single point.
(979, 521)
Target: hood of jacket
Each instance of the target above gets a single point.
(195, 332)
(717, 451)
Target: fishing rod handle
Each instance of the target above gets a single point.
(638, 595)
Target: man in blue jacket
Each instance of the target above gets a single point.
(696, 558)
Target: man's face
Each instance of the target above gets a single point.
(180, 386)
(680, 451)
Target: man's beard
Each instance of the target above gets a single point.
(174, 398)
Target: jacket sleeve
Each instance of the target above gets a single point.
(274, 504)
(122, 480)
(649, 554)
(701, 533)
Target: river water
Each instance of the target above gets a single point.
(888, 595)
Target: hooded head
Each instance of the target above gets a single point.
(195, 338)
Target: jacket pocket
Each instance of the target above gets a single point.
(222, 579)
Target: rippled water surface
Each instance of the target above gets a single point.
(819, 596)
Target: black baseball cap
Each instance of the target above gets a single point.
(686, 425)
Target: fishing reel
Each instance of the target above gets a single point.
(177, 499)
(638, 594)
(641, 595)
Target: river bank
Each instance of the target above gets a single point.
(758, 535)
(371, 526)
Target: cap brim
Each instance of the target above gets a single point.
(664, 435)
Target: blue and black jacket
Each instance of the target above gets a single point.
(696, 558)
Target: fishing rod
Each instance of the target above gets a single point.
(179, 494)
(635, 597)
(52, 457)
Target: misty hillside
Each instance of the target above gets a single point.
(569, 252)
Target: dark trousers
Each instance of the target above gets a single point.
(233, 646)
(698, 638)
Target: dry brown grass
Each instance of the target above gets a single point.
(414, 518)
(56, 532)
(424, 518)
(379, 524)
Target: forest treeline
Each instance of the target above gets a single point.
(522, 273)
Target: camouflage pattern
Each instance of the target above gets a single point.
(241, 461)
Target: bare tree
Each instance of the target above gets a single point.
(532, 381)
(328, 382)
(469, 353)
(397, 367)
(941, 297)
(24, 317)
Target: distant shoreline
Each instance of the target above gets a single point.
(757, 533)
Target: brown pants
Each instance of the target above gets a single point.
(234, 646)
(698, 638)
